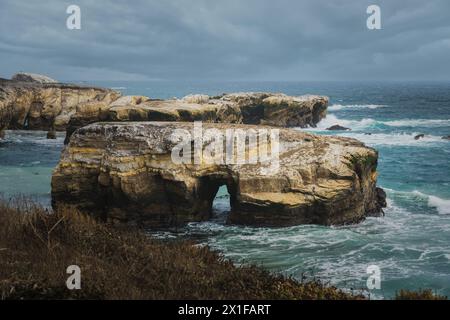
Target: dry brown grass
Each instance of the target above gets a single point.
(36, 246)
(426, 294)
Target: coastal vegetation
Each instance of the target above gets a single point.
(120, 262)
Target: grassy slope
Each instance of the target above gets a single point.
(36, 247)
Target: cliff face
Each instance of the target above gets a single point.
(43, 105)
(36, 102)
(247, 108)
(125, 172)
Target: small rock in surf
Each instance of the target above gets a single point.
(419, 136)
(338, 127)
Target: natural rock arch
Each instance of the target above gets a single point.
(124, 172)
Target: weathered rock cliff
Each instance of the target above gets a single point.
(247, 108)
(44, 105)
(124, 172)
(36, 102)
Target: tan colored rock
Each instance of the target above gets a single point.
(124, 172)
(32, 77)
(248, 108)
(42, 106)
(129, 101)
(196, 98)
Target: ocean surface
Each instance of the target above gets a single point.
(410, 245)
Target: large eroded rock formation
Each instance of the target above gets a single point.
(36, 102)
(274, 109)
(39, 104)
(124, 171)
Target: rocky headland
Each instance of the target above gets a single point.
(118, 164)
(35, 102)
(124, 172)
(274, 109)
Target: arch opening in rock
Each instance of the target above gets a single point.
(312, 185)
(221, 206)
(216, 195)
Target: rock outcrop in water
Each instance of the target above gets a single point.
(37, 102)
(124, 172)
(34, 102)
(247, 108)
(337, 127)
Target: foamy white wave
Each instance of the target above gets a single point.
(418, 123)
(336, 107)
(331, 120)
(366, 123)
(394, 139)
(441, 205)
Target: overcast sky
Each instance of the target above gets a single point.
(227, 39)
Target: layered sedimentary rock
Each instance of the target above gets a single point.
(247, 108)
(125, 171)
(40, 104)
(37, 102)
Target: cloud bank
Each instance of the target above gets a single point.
(227, 40)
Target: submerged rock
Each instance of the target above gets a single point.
(337, 127)
(446, 137)
(419, 136)
(125, 172)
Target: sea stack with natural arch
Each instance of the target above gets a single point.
(124, 172)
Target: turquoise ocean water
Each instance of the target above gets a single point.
(411, 244)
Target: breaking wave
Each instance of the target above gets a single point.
(441, 205)
(367, 123)
(418, 123)
(394, 139)
(337, 107)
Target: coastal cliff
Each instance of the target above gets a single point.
(124, 172)
(274, 109)
(36, 102)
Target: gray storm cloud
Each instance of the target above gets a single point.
(230, 40)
